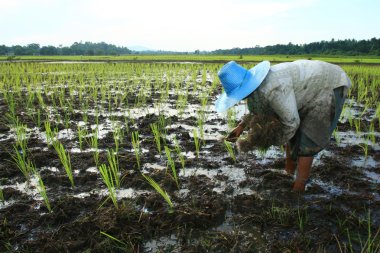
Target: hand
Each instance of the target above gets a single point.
(235, 133)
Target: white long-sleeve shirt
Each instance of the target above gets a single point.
(301, 94)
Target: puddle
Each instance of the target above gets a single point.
(28, 187)
(328, 187)
(164, 242)
(350, 138)
(364, 162)
(93, 170)
(373, 176)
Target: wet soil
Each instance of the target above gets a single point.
(220, 205)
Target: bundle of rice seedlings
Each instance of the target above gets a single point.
(264, 131)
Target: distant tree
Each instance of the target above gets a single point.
(33, 49)
(90, 52)
(49, 50)
(18, 50)
(66, 51)
(335, 47)
(344, 47)
(3, 50)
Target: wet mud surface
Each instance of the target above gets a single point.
(219, 206)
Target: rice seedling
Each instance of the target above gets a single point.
(21, 135)
(113, 163)
(230, 150)
(157, 136)
(19, 155)
(371, 132)
(94, 145)
(201, 131)
(231, 116)
(179, 154)
(161, 191)
(42, 190)
(66, 120)
(118, 135)
(357, 126)
(40, 99)
(302, 218)
(11, 104)
(364, 146)
(2, 199)
(21, 161)
(204, 100)
(50, 134)
(82, 132)
(196, 142)
(126, 124)
(162, 123)
(123, 245)
(336, 136)
(281, 215)
(172, 165)
(108, 179)
(136, 146)
(64, 157)
(369, 244)
(181, 103)
(38, 119)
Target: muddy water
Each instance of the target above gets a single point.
(220, 205)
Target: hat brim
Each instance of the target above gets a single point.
(259, 72)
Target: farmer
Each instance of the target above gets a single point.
(296, 104)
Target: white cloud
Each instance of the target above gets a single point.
(164, 24)
(185, 25)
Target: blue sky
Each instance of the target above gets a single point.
(186, 25)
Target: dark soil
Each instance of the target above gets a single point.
(269, 219)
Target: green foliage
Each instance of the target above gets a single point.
(82, 132)
(157, 136)
(136, 146)
(158, 188)
(230, 150)
(20, 151)
(179, 153)
(196, 142)
(90, 49)
(109, 179)
(302, 218)
(42, 190)
(172, 165)
(64, 157)
(2, 195)
(113, 166)
(94, 145)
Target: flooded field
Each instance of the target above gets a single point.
(129, 157)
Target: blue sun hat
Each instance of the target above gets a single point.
(239, 82)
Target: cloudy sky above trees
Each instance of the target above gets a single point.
(182, 25)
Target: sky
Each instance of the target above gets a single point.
(186, 25)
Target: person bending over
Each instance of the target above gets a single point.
(296, 104)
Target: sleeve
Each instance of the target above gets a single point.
(283, 102)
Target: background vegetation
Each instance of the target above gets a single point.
(348, 47)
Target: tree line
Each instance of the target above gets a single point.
(349, 47)
(87, 48)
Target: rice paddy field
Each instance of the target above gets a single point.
(129, 157)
